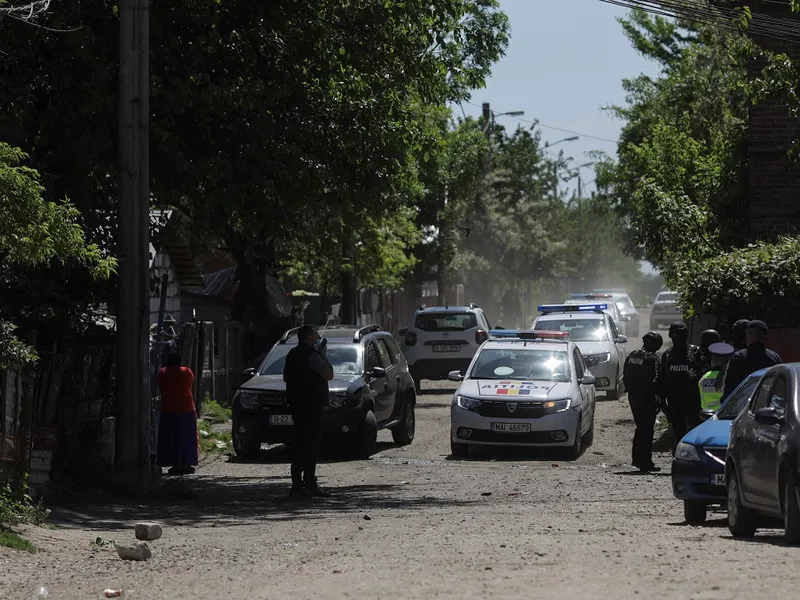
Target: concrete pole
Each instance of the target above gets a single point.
(133, 392)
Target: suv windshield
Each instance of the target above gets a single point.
(738, 400)
(624, 302)
(667, 297)
(522, 364)
(345, 358)
(580, 330)
(442, 321)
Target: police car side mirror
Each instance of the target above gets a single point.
(455, 376)
(249, 372)
(588, 379)
(403, 332)
(706, 414)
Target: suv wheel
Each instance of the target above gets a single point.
(741, 520)
(458, 449)
(367, 438)
(418, 386)
(244, 445)
(403, 432)
(791, 508)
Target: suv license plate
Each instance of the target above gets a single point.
(281, 420)
(512, 427)
(718, 479)
(447, 348)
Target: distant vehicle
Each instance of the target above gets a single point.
(443, 339)
(608, 299)
(596, 334)
(761, 471)
(524, 389)
(698, 469)
(665, 310)
(371, 390)
(630, 316)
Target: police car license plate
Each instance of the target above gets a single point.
(447, 348)
(512, 427)
(718, 479)
(281, 420)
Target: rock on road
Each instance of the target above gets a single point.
(413, 523)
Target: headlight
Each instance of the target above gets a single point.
(467, 403)
(558, 405)
(248, 400)
(337, 400)
(687, 452)
(597, 359)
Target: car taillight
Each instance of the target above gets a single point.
(411, 338)
(481, 336)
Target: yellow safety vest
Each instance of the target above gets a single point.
(709, 397)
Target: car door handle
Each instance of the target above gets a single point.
(386, 385)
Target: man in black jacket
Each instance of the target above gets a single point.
(641, 375)
(307, 372)
(739, 334)
(679, 381)
(756, 356)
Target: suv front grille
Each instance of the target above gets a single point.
(272, 398)
(522, 410)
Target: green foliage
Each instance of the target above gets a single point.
(758, 280)
(213, 442)
(9, 539)
(214, 411)
(16, 506)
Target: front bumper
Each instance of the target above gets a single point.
(437, 368)
(694, 481)
(558, 429)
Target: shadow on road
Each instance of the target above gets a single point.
(438, 392)
(429, 405)
(514, 453)
(281, 454)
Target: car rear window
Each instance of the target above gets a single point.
(455, 321)
(667, 297)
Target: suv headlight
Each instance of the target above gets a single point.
(337, 400)
(468, 403)
(558, 405)
(248, 400)
(688, 452)
(597, 359)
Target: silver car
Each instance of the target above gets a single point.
(630, 316)
(665, 310)
(524, 389)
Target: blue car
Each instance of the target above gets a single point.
(698, 469)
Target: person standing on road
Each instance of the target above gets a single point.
(712, 381)
(754, 357)
(177, 425)
(739, 334)
(307, 373)
(679, 382)
(641, 375)
(708, 337)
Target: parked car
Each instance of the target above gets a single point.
(630, 316)
(665, 310)
(443, 339)
(698, 469)
(524, 388)
(372, 389)
(762, 465)
(611, 306)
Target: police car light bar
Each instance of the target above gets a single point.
(559, 308)
(593, 296)
(529, 335)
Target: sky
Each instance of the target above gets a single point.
(565, 62)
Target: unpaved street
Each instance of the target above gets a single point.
(514, 525)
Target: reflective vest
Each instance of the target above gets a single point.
(709, 396)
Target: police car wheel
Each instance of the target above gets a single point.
(791, 507)
(576, 449)
(459, 450)
(588, 437)
(615, 393)
(694, 512)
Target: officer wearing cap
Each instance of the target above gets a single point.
(641, 376)
(678, 382)
(739, 334)
(711, 382)
(754, 357)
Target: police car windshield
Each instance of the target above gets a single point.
(737, 401)
(580, 330)
(446, 321)
(345, 358)
(522, 364)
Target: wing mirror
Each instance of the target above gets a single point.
(768, 416)
(622, 339)
(706, 414)
(377, 372)
(249, 372)
(588, 379)
(455, 376)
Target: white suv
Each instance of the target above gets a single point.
(443, 339)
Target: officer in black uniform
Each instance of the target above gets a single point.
(307, 372)
(679, 381)
(754, 357)
(641, 377)
(739, 334)
(708, 337)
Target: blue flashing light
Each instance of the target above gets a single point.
(559, 308)
(519, 334)
(504, 333)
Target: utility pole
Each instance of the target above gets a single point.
(132, 385)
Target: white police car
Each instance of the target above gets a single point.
(596, 334)
(524, 389)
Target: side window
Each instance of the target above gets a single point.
(383, 353)
(579, 369)
(372, 357)
(394, 349)
(762, 396)
(777, 399)
(613, 327)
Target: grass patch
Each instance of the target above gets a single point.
(9, 539)
(213, 411)
(213, 442)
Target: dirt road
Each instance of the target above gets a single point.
(413, 523)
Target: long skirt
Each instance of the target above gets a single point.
(178, 440)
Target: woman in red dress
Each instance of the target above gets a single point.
(177, 430)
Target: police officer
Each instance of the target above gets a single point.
(679, 379)
(708, 337)
(641, 376)
(739, 334)
(711, 383)
(754, 357)
(307, 372)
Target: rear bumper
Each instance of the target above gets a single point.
(664, 319)
(693, 481)
(437, 368)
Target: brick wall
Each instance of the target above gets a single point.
(774, 179)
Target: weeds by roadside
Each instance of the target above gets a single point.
(215, 412)
(17, 508)
(213, 442)
(9, 539)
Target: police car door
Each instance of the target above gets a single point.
(585, 390)
(619, 347)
